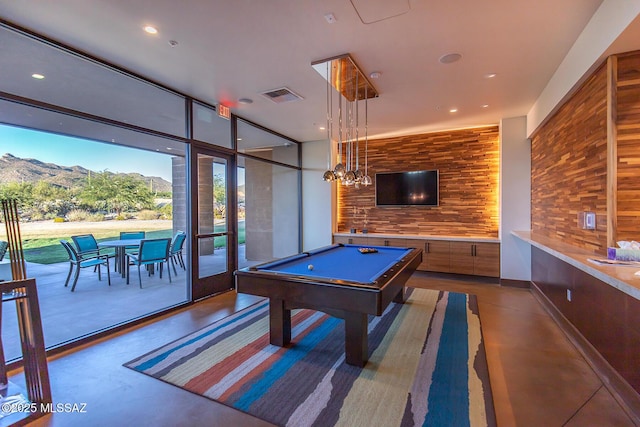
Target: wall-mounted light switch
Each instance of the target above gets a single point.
(587, 220)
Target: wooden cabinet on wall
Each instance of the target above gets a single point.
(477, 258)
(351, 240)
(386, 241)
(435, 254)
(441, 255)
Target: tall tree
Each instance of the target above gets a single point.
(115, 193)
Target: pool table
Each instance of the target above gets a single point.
(339, 280)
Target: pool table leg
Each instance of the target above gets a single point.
(400, 297)
(279, 323)
(356, 344)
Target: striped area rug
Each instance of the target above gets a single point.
(426, 367)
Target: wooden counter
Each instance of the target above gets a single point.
(478, 256)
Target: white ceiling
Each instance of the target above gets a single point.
(237, 49)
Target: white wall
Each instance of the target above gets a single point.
(589, 50)
(318, 196)
(515, 198)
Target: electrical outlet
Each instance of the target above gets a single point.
(569, 295)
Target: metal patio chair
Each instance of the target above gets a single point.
(175, 251)
(77, 260)
(152, 251)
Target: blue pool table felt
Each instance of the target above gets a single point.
(340, 263)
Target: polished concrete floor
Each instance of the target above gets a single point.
(94, 306)
(537, 377)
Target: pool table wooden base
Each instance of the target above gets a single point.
(356, 344)
(350, 301)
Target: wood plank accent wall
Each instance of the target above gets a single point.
(468, 162)
(569, 168)
(569, 159)
(628, 144)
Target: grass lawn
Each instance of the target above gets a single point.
(48, 250)
(43, 246)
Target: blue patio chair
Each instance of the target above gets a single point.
(175, 251)
(152, 251)
(86, 245)
(130, 235)
(126, 235)
(77, 260)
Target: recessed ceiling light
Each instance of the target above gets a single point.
(245, 101)
(322, 128)
(485, 105)
(490, 75)
(173, 43)
(151, 30)
(169, 148)
(450, 58)
(453, 110)
(375, 75)
(37, 76)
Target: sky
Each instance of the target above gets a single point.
(68, 151)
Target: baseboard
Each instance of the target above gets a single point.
(626, 396)
(523, 284)
(459, 277)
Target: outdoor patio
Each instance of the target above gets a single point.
(94, 305)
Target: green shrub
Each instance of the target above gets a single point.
(166, 211)
(148, 214)
(96, 217)
(120, 217)
(58, 219)
(36, 216)
(77, 215)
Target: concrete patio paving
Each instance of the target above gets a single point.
(94, 305)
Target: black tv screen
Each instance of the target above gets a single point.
(407, 188)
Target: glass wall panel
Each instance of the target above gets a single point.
(76, 186)
(266, 145)
(268, 211)
(39, 71)
(209, 127)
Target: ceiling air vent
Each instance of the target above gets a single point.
(280, 95)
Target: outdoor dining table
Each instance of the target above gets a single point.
(121, 250)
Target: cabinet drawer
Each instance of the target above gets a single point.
(387, 241)
(351, 240)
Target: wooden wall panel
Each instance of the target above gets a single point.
(468, 161)
(604, 315)
(628, 127)
(569, 168)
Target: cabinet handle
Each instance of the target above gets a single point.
(350, 241)
(386, 243)
(427, 249)
(475, 251)
(473, 247)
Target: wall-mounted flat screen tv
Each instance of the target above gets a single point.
(419, 188)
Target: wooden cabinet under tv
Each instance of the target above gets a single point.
(444, 255)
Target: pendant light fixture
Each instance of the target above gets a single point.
(343, 75)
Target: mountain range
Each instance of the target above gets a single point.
(16, 169)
